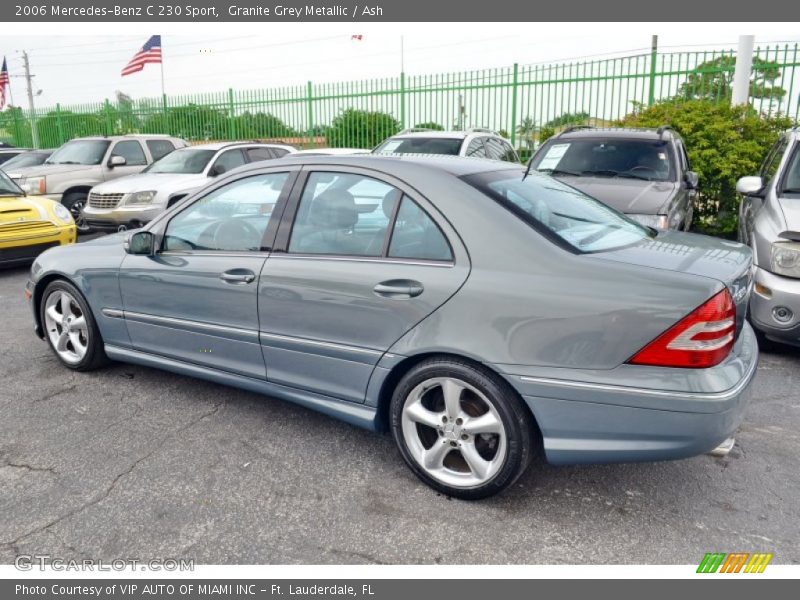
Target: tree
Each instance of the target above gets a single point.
(361, 129)
(724, 143)
(260, 126)
(429, 125)
(190, 122)
(713, 79)
(565, 119)
(527, 131)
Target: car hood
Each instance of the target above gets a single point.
(633, 196)
(164, 183)
(791, 212)
(16, 209)
(37, 170)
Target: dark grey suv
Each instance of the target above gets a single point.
(644, 173)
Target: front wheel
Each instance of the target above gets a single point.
(70, 327)
(75, 202)
(460, 428)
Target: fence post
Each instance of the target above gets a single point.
(231, 118)
(17, 135)
(166, 114)
(651, 97)
(402, 100)
(310, 115)
(109, 124)
(514, 88)
(59, 125)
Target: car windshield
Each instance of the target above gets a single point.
(8, 187)
(79, 152)
(791, 184)
(182, 161)
(420, 145)
(606, 157)
(26, 159)
(556, 209)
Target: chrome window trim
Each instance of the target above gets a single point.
(370, 259)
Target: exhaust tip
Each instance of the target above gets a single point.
(724, 448)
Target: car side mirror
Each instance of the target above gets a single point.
(116, 161)
(692, 180)
(217, 170)
(750, 186)
(140, 242)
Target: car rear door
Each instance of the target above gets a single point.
(359, 260)
(195, 299)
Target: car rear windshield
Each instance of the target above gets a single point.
(562, 213)
(606, 157)
(420, 145)
(182, 161)
(80, 152)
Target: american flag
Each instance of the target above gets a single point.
(149, 53)
(3, 84)
(357, 37)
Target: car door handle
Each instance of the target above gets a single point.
(398, 288)
(238, 276)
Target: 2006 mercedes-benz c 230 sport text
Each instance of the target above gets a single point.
(478, 312)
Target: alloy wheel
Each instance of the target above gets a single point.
(77, 214)
(66, 326)
(454, 432)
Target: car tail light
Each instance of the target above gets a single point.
(701, 339)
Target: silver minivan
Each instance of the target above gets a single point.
(769, 222)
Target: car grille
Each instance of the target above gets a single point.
(104, 200)
(26, 227)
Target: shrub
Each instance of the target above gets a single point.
(361, 129)
(429, 125)
(724, 143)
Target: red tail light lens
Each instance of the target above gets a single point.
(702, 339)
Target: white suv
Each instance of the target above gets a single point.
(476, 143)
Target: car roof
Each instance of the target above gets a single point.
(221, 145)
(455, 135)
(454, 165)
(616, 133)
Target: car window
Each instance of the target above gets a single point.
(131, 151)
(415, 235)
(278, 152)
(230, 159)
(343, 214)
(773, 161)
(159, 148)
(684, 157)
(257, 154)
(560, 211)
(791, 183)
(232, 218)
(476, 149)
(494, 149)
(421, 145)
(509, 155)
(607, 157)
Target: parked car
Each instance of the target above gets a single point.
(80, 164)
(9, 152)
(28, 226)
(474, 311)
(475, 142)
(29, 158)
(769, 222)
(331, 151)
(644, 173)
(130, 202)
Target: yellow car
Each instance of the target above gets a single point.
(30, 225)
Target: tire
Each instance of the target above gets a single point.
(461, 462)
(74, 203)
(67, 319)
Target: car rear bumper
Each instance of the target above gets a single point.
(773, 293)
(684, 413)
(129, 217)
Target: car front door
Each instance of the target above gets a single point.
(359, 260)
(135, 159)
(195, 298)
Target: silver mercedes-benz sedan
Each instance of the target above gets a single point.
(480, 313)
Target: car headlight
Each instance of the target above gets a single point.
(138, 198)
(785, 259)
(657, 221)
(34, 185)
(62, 213)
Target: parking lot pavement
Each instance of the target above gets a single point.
(131, 462)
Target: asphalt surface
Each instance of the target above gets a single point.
(130, 462)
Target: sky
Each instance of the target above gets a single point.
(85, 66)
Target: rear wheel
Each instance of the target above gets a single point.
(70, 327)
(460, 428)
(75, 203)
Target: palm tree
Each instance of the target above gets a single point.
(527, 129)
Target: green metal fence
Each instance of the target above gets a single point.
(519, 101)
